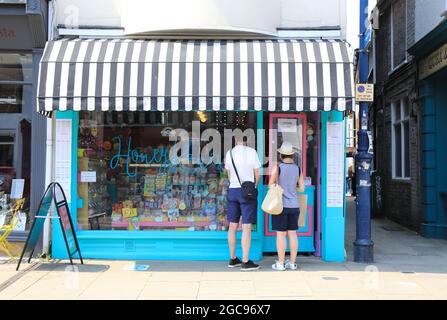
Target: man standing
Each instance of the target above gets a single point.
(242, 164)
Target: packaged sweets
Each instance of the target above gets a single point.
(173, 214)
(175, 179)
(116, 217)
(197, 201)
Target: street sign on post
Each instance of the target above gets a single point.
(364, 92)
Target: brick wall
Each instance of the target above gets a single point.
(411, 22)
(401, 199)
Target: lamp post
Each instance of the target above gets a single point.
(363, 245)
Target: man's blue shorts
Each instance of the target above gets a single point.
(237, 206)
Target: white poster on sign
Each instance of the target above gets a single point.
(63, 155)
(88, 176)
(335, 164)
(17, 188)
(287, 125)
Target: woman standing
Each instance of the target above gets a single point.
(290, 177)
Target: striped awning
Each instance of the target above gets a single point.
(167, 75)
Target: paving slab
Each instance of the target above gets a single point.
(228, 288)
(283, 288)
(158, 289)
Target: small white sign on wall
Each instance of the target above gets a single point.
(88, 176)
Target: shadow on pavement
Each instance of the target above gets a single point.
(61, 266)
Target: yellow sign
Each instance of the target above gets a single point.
(364, 92)
(129, 212)
(433, 63)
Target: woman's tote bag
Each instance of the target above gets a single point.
(272, 203)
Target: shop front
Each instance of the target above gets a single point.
(22, 131)
(142, 128)
(431, 53)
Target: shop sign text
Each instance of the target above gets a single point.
(433, 63)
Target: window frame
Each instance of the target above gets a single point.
(22, 83)
(402, 103)
(8, 133)
(392, 66)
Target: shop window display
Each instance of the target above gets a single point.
(127, 182)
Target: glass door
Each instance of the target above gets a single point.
(291, 128)
(295, 129)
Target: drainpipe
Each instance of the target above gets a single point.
(49, 145)
(363, 245)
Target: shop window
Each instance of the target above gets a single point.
(131, 178)
(398, 33)
(400, 118)
(16, 94)
(15, 81)
(7, 170)
(6, 150)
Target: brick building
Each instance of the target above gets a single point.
(395, 114)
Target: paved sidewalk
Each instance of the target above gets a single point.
(407, 266)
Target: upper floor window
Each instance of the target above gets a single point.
(398, 33)
(15, 81)
(400, 139)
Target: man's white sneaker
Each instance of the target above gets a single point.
(290, 265)
(278, 266)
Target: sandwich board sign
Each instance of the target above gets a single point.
(54, 195)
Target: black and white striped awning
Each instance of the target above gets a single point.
(130, 75)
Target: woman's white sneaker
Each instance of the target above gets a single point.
(290, 265)
(278, 266)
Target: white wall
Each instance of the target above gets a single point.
(352, 23)
(313, 14)
(428, 16)
(263, 16)
(153, 15)
(74, 13)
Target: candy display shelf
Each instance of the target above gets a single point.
(166, 224)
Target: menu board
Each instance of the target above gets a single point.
(63, 155)
(53, 195)
(38, 224)
(335, 164)
(62, 210)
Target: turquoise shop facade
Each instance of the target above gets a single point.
(431, 53)
(326, 93)
(323, 235)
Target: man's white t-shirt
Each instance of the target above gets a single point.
(246, 160)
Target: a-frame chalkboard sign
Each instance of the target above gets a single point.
(54, 194)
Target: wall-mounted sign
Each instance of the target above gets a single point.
(433, 63)
(335, 167)
(364, 92)
(15, 32)
(88, 176)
